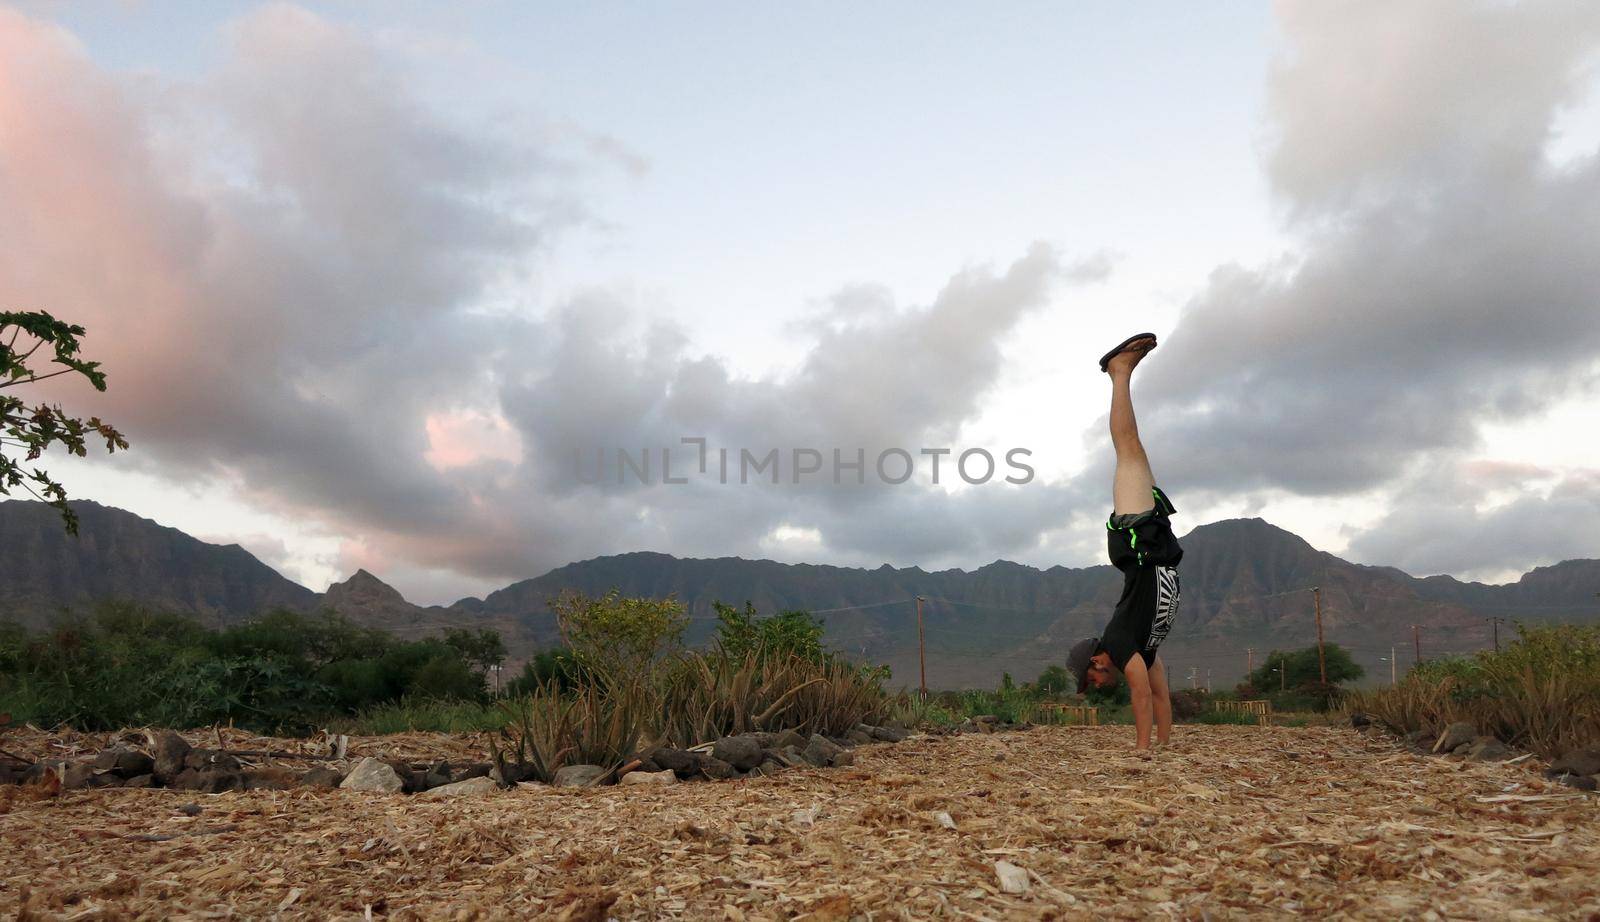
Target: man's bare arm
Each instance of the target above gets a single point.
(1138, 679)
(1161, 698)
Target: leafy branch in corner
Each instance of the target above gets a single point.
(32, 430)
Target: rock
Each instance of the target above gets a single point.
(475, 770)
(580, 776)
(665, 776)
(820, 751)
(514, 773)
(1012, 878)
(681, 761)
(206, 782)
(767, 740)
(471, 786)
(322, 777)
(373, 775)
(191, 809)
(716, 769)
(75, 775)
(1487, 749)
(945, 819)
(210, 760)
(140, 781)
(1584, 761)
(890, 734)
(788, 757)
(1359, 720)
(1581, 782)
(269, 779)
(1418, 737)
(1454, 735)
(846, 757)
(124, 761)
(789, 738)
(768, 767)
(858, 738)
(807, 817)
(105, 780)
(742, 752)
(170, 752)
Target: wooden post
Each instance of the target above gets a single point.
(1283, 673)
(1391, 665)
(1249, 661)
(922, 653)
(1416, 639)
(1496, 622)
(1322, 661)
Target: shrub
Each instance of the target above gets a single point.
(1542, 692)
(598, 724)
(708, 695)
(742, 632)
(619, 637)
(1189, 703)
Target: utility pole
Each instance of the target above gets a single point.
(1249, 661)
(1283, 674)
(1496, 621)
(1322, 661)
(922, 651)
(1391, 665)
(1208, 681)
(1416, 639)
(1194, 677)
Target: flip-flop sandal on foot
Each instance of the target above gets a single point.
(1122, 346)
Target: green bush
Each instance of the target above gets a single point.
(127, 665)
(1541, 692)
(788, 633)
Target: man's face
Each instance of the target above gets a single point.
(1101, 674)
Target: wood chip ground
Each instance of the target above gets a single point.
(1230, 822)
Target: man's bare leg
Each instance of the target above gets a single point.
(1132, 487)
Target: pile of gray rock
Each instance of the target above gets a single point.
(747, 755)
(169, 761)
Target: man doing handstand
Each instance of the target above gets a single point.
(1141, 544)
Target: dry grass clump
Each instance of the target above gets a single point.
(1541, 693)
(634, 683)
(706, 696)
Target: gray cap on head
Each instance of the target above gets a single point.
(1078, 661)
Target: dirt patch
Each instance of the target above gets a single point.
(1231, 821)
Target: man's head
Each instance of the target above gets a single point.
(1091, 666)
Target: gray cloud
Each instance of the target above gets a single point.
(282, 264)
(1446, 278)
(1434, 531)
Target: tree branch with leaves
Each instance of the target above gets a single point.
(28, 432)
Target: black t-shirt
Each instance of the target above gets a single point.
(1146, 551)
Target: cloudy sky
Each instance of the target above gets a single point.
(372, 281)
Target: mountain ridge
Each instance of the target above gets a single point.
(1245, 583)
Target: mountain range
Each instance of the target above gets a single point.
(1246, 587)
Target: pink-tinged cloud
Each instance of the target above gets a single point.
(461, 438)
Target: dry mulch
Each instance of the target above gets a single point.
(1230, 822)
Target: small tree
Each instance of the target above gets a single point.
(1300, 668)
(1054, 680)
(33, 430)
(482, 649)
(619, 638)
(742, 632)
